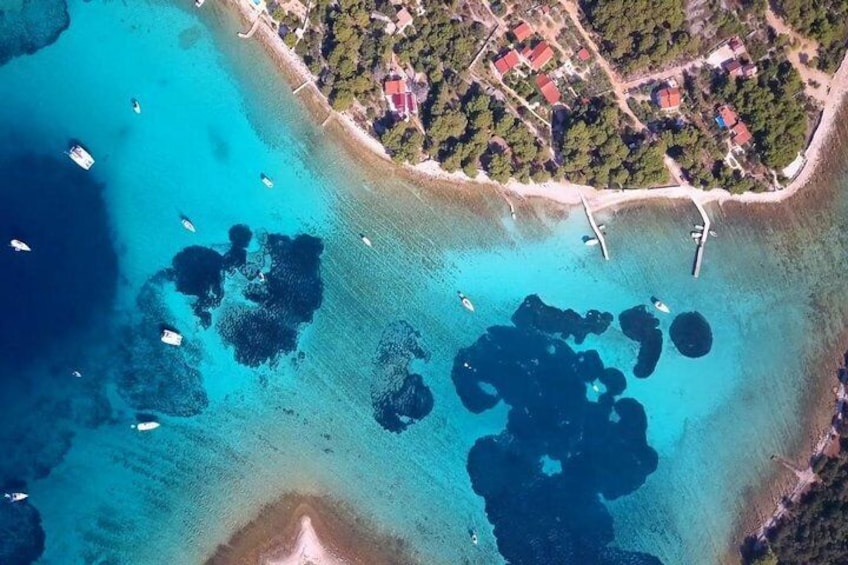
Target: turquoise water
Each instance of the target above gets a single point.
(234, 437)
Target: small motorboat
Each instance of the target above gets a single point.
(187, 224)
(15, 496)
(261, 276)
(602, 227)
(713, 234)
(266, 180)
(474, 537)
(136, 106)
(19, 245)
(172, 338)
(81, 157)
(590, 241)
(699, 227)
(696, 235)
(199, 3)
(145, 426)
(465, 302)
(365, 239)
(596, 388)
(660, 305)
(76, 374)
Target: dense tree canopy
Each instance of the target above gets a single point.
(826, 21)
(640, 33)
(773, 108)
(594, 151)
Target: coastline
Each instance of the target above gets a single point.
(562, 192)
(817, 403)
(300, 529)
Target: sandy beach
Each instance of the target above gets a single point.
(562, 192)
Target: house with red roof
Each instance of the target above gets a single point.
(740, 135)
(726, 117)
(400, 100)
(668, 98)
(584, 54)
(404, 20)
(540, 56)
(507, 62)
(548, 88)
(739, 132)
(522, 31)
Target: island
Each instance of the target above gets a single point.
(580, 94)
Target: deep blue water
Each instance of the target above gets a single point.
(565, 421)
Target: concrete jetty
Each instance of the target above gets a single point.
(598, 234)
(301, 87)
(702, 241)
(252, 30)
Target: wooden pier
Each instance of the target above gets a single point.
(702, 241)
(252, 30)
(598, 234)
(299, 88)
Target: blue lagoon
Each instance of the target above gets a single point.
(565, 420)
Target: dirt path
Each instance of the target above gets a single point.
(807, 46)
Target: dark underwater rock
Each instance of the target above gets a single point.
(535, 313)
(640, 325)
(23, 537)
(37, 24)
(691, 334)
(399, 397)
(599, 447)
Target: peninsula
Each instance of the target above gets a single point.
(563, 98)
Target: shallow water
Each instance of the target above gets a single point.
(326, 398)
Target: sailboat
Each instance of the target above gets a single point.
(15, 496)
(187, 224)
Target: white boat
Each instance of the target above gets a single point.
(15, 496)
(199, 3)
(696, 234)
(465, 302)
(699, 227)
(602, 227)
(660, 305)
(146, 426)
(714, 234)
(474, 537)
(591, 241)
(76, 374)
(365, 239)
(188, 225)
(266, 180)
(596, 388)
(19, 245)
(136, 106)
(261, 276)
(81, 157)
(172, 338)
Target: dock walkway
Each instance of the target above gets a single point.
(702, 241)
(598, 234)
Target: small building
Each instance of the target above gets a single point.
(749, 70)
(400, 100)
(736, 46)
(668, 98)
(507, 62)
(739, 134)
(404, 20)
(540, 56)
(548, 88)
(733, 68)
(583, 54)
(522, 31)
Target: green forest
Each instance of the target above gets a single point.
(640, 33)
(818, 529)
(826, 21)
(594, 151)
(772, 106)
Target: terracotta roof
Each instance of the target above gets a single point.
(404, 104)
(548, 89)
(507, 62)
(734, 68)
(397, 86)
(667, 98)
(736, 44)
(728, 116)
(584, 54)
(741, 135)
(749, 70)
(540, 56)
(404, 18)
(522, 31)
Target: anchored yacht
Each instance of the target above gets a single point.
(199, 3)
(15, 496)
(136, 106)
(266, 180)
(19, 245)
(145, 426)
(172, 338)
(187, 224)
(465, 302)
(591, 241)
(365, 239)
(661, 306)
(81, 157)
